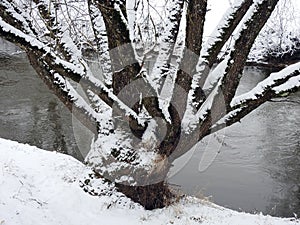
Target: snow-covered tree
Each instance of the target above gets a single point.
(149, 89)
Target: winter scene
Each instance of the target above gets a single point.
(150, 112)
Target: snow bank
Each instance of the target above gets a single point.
(41, 187)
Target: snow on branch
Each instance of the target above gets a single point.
(64, 91)
(281, 81)
(47, 13)
(101, 116)
(77, 73)
(232, 67)
(277, 84)
(254, 21)
(212, 48)
(231, 19)
(18, 14)
(185, 77)
(101, 42)
(125, 66)
(59, 32)
(209, 120)
(167, 43)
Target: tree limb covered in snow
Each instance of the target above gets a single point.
(101, 40)
(225, 89)
(242, 46)
(195, 17)
(81, 111)
(122, 55)
(224, 30)
(161, 67)
(277, 84)
(79, 73)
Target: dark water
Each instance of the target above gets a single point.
(257, 168)
(29, 112)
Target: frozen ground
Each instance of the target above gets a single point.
(41, 187)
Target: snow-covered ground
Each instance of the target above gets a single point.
(42, 187)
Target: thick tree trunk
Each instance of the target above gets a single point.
(151, 196)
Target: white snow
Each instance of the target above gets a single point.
(215, 74)
(42, 187)
(293, 82)
(269, 82)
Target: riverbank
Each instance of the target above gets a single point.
(42, 187)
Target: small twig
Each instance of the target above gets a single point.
(285, 101)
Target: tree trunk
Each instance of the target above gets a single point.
(150, 196)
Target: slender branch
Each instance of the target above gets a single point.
(218, 101)
(48, 16)
(284, 82)
(237, 114)
(284, 101)
(274, 81)
(9, 13)
(224, 30)
(60, 36)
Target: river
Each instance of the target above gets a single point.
(257, 168)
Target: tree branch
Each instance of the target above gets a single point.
(224, 31)
(218, 101)
(257, 19)
(82, 113)
(101, 39)
(124, 63)
(195, 17)
(77, 73)
(284, 82)
(161, 68)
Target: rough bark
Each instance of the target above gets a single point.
(150, 196)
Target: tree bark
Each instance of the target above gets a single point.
(150, 196)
